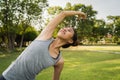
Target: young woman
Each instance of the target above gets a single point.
(44, 51)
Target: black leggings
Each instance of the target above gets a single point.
(2, 78)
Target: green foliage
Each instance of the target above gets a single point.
(117, 29)
(68, 6)
(54, 10)
(114, 26)
(100, 31)
(30, 34)
(16, 15)
(118, 42)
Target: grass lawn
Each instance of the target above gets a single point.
(81, 63)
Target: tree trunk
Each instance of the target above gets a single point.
(21, 41)
(9, 43)
(11, 40)
(25, 27)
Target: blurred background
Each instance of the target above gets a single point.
(22, 20)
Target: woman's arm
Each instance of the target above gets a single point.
(49, 29)
(57, 69)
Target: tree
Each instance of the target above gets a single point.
(117, 29)
(30, 34)
(24, 26)
(13, 12)
(99, 29)
(114, 25)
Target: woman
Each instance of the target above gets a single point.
(44, 51)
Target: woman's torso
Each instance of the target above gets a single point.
(33, 59)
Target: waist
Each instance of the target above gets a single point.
(2, 77)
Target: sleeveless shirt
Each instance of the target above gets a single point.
(32, 60)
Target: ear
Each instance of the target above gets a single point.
(70, 41)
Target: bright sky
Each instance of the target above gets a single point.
(104, 7)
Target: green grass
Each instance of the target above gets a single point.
(6, 59)
(79, 65)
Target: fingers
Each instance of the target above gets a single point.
(82, 15)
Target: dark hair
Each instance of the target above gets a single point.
(74, 38)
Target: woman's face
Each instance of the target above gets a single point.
(66, 33)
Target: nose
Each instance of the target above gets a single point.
(64, 29)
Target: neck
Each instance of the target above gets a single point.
(57, 43)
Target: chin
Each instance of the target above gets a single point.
(60, 36)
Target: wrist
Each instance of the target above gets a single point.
(70, 13)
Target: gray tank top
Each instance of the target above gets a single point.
(32, 60)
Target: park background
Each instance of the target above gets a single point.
(96, 58)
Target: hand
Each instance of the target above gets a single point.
(71, 13)
(83, 15)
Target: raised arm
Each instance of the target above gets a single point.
(49, 29)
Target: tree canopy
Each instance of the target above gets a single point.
(13, 13)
